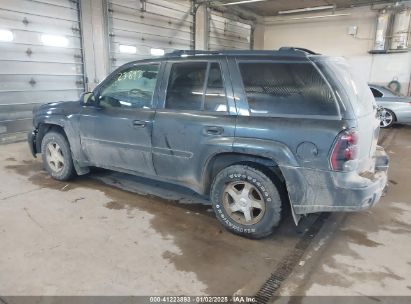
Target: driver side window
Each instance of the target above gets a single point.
(131, 88)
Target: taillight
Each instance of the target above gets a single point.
(345, 149)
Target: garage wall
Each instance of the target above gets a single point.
(329, 36)
(157, 24)
(33, 72)
(228, 32)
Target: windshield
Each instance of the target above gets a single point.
(349, 81)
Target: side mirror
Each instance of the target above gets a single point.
(87, 98)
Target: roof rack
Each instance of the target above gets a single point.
(191, 53)
(291, 51)
(291, 48)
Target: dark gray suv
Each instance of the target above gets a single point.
(257, 131)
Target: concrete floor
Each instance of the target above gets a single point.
(91, 237)
(108, 234)
(369, 252)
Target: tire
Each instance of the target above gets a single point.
(255, 217)
(56, 155)
(387, 119)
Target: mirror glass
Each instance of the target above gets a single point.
(88, 98)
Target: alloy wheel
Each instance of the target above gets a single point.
(54, 156)
(386, 119)
(243, 203)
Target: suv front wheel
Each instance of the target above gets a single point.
(246, 201)
(56, 156)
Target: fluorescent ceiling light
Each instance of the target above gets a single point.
(157, 52)
(128, 49)
(242, 2)
(322, 16)
(275, 21)
(54, 40)
(6, 35)
(307, 9)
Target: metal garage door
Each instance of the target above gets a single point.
(40, 59)
(227, 33)
(138, 29)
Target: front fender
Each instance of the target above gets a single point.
(71, 131)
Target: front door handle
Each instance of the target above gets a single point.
(140, 123)
(213, 130)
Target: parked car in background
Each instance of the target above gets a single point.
(397, 108)
(256, 131)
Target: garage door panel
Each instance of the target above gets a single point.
(40, 54)
(11, 112)
(163, 39)
(14, 126)
(166, 25)
(183, 31)
(231, 25)
(228, 33)
(34, 38)
(143, 51)
(166, 11)
(41, 9)
(229, 36)
(216, 45)
(224, 28)
(33, 72)
(153, 42)
(21, 21)
(39, 68)
(178, 10)
(38, 96)
(124, 13)
(39, 82)
(63, 3)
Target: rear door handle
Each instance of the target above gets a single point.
(140, 123)
(213, 130)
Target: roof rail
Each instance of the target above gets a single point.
(291, 48)
(191, 53)
(294, 51)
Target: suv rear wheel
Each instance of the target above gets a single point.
(246, 201)
(56, 156)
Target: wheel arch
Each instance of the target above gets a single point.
(393, 112)
(220, 161)
(65, 128)
(44, 128)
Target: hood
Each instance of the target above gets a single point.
(58, 108)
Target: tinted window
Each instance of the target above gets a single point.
(215, 98)
(350, 84)
(286, 88)
(186, 86)
(131, 88)
(376, 93)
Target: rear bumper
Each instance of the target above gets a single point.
(326, 191)
(31, 139)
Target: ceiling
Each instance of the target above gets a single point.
(271, 7)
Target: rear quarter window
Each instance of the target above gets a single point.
(349, 82)
(274, 88)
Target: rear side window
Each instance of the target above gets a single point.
(186, 85)
(286, 88)
(196, 86)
